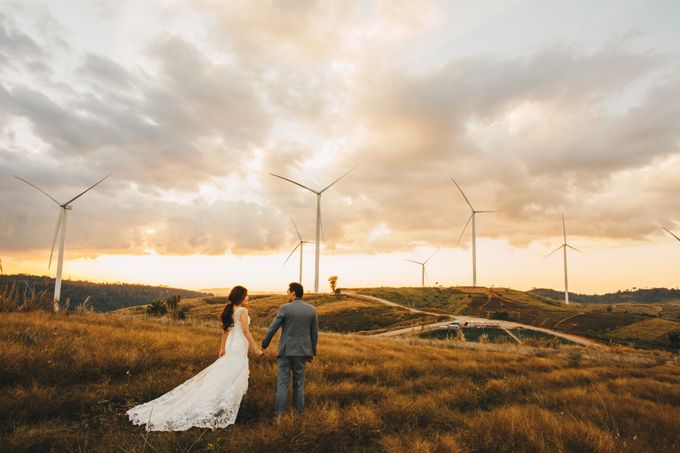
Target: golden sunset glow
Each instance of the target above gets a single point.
(536, 111)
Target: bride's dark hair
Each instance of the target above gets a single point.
(236, 297)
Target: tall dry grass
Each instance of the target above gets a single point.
(24, 298)
(66, 382)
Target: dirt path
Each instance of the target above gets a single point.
(567, 318)
(513, 336)
(392, 304)
(463, 319)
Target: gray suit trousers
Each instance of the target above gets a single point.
(296, 365)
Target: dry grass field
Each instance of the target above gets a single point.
(67, 380)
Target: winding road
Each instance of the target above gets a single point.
(463, 319)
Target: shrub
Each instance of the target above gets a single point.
(674, 337)
(157, 308)
(504, 315)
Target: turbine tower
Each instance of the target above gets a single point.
(422, 264)
(318, 194)
(300, 244)
(671, 233)
(473, 213)
(60, 231)
(564, 246)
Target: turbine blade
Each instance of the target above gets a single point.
(331, 184)
(669, 232)
(564, 229)
(296, 228)
(465, 228)
(435, 252)
(87, 190)
(416, 262)
(36, 187)
(574, 248)
(294, 182)
(291, 253)
(557, 249)
(463, 194)
(485, 212)
(56, 233)
(427, 277)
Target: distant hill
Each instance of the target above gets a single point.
(638, 296)
(104, 296)
(217, 291)
(627, 322)
(225, 292)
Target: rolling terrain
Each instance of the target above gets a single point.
(67, 380)
(588, 320)
(380, 310)
(336, 314)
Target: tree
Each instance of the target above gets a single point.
(172, 302)
(333, 280)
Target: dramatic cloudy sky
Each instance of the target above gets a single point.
(536, 108)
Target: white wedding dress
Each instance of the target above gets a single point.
(210, 399)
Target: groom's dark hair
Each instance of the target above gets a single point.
(297, 289)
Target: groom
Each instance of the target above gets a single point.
(299, 335)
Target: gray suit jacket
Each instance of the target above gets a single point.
(299, 329)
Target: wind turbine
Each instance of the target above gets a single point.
(564, 246)
(60, 231)
(300, 244)
(474, 233)
(422, 264)
(318, 218)
(669, 232)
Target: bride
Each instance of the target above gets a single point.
(210, 399)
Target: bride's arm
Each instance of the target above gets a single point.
(223, 340)
(246, 330)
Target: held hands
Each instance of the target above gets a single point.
(259, 352)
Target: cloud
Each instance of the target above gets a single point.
(307, 93)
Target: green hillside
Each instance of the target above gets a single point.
(589, 320)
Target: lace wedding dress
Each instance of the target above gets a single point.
(210, 399)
